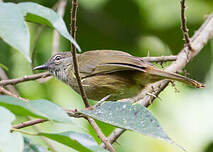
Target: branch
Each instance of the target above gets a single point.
(198, 41)
(100, 134)
(184, 26)
(56, 35)
(71, 113)
(6, 92)
(3, 76)
(160, 58)
(25, 78)
(75, 61)
(115, 135)
(29, 123)
(75, 64)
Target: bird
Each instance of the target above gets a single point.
(109, 72)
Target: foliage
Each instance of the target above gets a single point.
(136, 25)
(9, 141)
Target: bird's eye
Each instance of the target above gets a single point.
(58, 57)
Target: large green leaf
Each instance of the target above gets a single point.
(78, 141)
(40, 14)
(132, 117)
(13, 28)
(9, 142)
(30, 147)
(36, 108)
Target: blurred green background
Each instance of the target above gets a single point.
(137, 27)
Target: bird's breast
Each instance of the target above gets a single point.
(119, 85)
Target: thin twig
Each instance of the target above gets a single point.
(199, 40)
(160, 58)
(184, 26)
(29, 123)
(6, 92)
(101, 101)
(25, 78)
(56, 35)
(75, 64)
(100, 134)
(75, 61)
(71, 113)
(3, 76)
(115, 135)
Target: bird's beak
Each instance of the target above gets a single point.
(41, 67)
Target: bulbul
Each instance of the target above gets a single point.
(109, 72)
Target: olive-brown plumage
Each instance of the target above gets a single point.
(109, 72)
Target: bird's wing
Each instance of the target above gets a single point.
(108, 61)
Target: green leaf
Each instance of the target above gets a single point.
(3, 67)
(40, 14)
(36, 108)
(78, 141)
(132, 117)
(9, 142)
(30, 147)
(13, 29)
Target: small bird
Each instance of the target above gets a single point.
(109, 72)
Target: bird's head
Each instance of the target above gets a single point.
(58, 64)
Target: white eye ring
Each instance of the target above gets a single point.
(58, 57)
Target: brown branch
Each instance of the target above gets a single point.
(56, 35)
(160, 58)
(3, 76)
(25, 78)
(115, 135)
(101, 101)
(29, 123)
(75, 64)
(184, 26)
(75, 61)
(100, 134)
(71, 113)
(6, 92)
(199, 39)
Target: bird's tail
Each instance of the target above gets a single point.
(174, 76)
